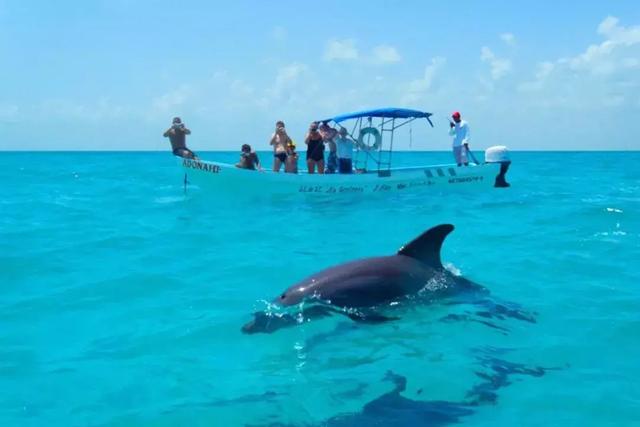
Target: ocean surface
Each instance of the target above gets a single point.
(122, 299)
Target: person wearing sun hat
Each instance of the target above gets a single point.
(459, 130)
(291, 165)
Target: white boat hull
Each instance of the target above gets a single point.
(226, 177)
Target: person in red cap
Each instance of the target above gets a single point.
(460, 133)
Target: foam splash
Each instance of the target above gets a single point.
(168, 199)
(436, 283)
(609, 234)
(453, 269)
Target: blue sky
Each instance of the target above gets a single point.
(110, 75)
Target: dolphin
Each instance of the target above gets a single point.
(357, 288)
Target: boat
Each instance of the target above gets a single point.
(373, 132)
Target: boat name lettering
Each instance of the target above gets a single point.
(465, 179)
(310, 189)
(350, 189)
(415, 184)
(194, 164)
(330, 189)
(381, 187)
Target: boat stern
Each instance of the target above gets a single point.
(499, 154)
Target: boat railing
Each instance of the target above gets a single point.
(383, 162)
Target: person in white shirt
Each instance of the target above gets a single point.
(460, 133)
(345, 151)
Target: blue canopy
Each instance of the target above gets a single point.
(393, 113)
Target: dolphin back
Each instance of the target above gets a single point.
(426, 247)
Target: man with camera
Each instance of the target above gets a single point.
(248, 159)
(177, 134)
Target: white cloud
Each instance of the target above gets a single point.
(508, 38)
(608, 25)
(499, 66)
(170, 101)
(289, 84)
(340, 50)
(417, 88)
(240, 88)
(385, 54)
(346, 50)
(544, 69)
(602, 58)
(424, 84)
(289, 74)
(619, 35)
(219, 75)
(284, 88)
(603, 75)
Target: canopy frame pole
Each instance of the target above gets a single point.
(367, 153)
(358, 126)
(393, 128)
(406, 121)
(382, 122)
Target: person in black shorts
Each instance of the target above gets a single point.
(177, 134)
(279, 140)
(315, 149)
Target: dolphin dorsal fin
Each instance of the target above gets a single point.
(426, 247)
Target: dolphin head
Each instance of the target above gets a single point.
(268, 322)
(264, 322)
(299, 292)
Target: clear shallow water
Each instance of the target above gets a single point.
(122, 299)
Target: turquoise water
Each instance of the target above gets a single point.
(123, 298)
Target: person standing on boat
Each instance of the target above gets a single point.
(345, 151)
(328, 135)
(292, 159)
(280, 141)
(177, 134)
(315, 149)
(460, 133)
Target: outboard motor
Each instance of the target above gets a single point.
(499, 154)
